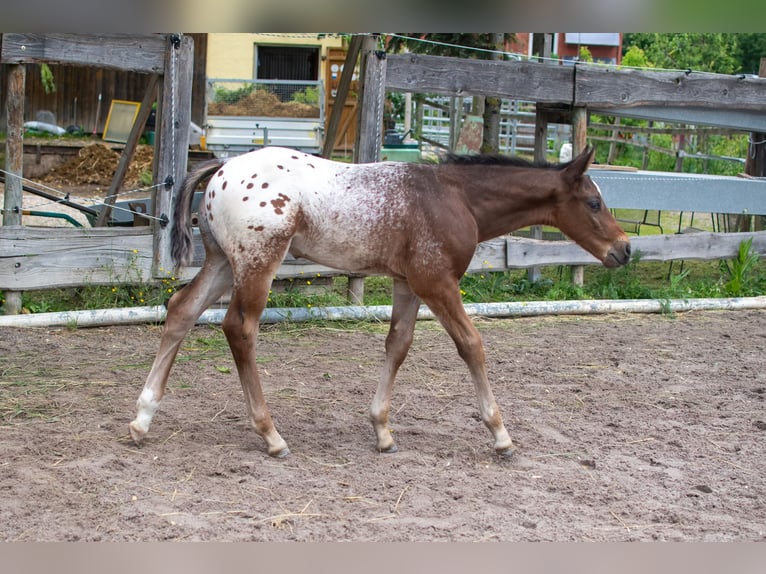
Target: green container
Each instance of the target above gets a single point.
(403, 152)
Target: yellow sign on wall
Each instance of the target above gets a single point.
(119, 122)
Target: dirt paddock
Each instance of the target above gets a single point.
(628, 427)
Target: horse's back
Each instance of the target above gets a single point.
(321, 188)
(336, 213)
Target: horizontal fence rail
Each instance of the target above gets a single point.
(43, 258)
(672, 191)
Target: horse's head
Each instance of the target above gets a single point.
(583, 216)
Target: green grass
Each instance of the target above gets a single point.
(743, 276)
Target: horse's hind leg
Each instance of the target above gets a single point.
(241, 326)
(398, 342)
(184, 308)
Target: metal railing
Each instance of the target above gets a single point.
(517, 125)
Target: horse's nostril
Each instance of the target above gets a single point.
(627, 250)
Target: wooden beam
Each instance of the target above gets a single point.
(340, 96)
(523, 253)
(14, 146)
(755, 163)
(369, 133)
(534, 274)
(136, 52)
(42, 258)
(608, 87)
(723, 117)
(369, 125)
(594, 86)
(579, 130)
(560, 113)
(52, 257)
(128, 151)
(14, 165)
(171, 150)
(463, 77)
(579, 143)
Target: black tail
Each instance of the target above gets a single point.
(181, 233)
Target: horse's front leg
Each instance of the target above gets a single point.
(446, 304)
(398, 342)
(184, 308)
(241, 326)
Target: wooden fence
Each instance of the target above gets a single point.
(83, 94)
(168, 60)
(43, 258)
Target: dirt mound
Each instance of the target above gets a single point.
(263, 103)
(96, 164)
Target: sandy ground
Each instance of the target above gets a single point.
(627, 428)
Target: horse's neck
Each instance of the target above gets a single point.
(501, 204)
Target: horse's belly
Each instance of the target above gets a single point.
(357, 256)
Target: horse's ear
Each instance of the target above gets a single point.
(581, 163)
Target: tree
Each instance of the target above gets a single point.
(752, 47)
(635, 57)
(706, 52)
(585, 55)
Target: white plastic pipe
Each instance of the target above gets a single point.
(382, 313)
(91, 318)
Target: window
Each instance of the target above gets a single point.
(592, 39)
(286, 63)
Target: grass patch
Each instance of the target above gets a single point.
(637, 280)
(744, 275)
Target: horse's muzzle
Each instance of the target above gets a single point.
(618, 254)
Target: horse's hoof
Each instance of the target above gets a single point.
(505, 453)
(389, 450)
(136, 433)
(281, 453)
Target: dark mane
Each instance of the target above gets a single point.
(497, 159)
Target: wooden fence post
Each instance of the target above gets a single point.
(541, 154)
(373, 92)
(755, 164)
(369, 133)
(613, 143)
(541, 47)
(579, 141)
(172, 149)
(14, 154)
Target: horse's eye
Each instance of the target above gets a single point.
(594, 204)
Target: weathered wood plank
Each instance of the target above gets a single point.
(369, 133)
(171, 151)
(136, 52)
(14, 149)
(463, 77)
(14, 163)
(592, 86)
(41, 258)
(609, 87)
(522, 253)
